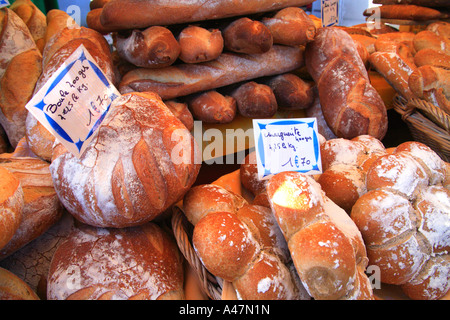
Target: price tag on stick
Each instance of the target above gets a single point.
(74, 101)
(287, 145)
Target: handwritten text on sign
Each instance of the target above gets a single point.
(330, 12)
(74, 101)
(287, 145)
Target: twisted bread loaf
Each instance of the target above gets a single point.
(405, 220)
(142, 161)
(240, 243)
(350, 104)
(326, 246)
(138, 263)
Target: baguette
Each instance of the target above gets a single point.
(213, 107)
(350, 104)
(255, 100)
(247, 36)
(129, 14)
(326, 246)
(20, 68)
(429, 39)
(406, 12)
(229, 68)
(93, 22)
(425, 3)
(291, 26)
(198, 44)
(441, 28)
(154, 47)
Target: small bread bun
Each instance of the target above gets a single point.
(198, 44)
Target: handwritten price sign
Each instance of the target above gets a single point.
(287, 145)
(330, 12)
(4, 3)
(74, 101)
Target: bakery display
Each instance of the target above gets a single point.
(142, 214)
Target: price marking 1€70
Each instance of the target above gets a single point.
(287, 145)
(74, 101)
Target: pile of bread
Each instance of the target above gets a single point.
(96, 227)
(416, 64)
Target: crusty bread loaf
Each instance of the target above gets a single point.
(31, 263)
(432, 84)
(14, 288)
(213, 107)
(18, 53)
(441, 28)
(367, 41)
(199, 44)
(154, 47)
(141, 162)
(138, 263)
(326, 246)
(56, 21)
(182, 112)
(245, 35)
(350, 104)
(394, 69)
(41, 207)
(291, 26)
(34, 19)
(404, 220)
(255, 100)
(93, 22)
(139, 14)
(406, 12)
(11, 205)
(56, 52)
(229, 68)
(429, 39)
(239, 242)
(432, 57)
(291, 91)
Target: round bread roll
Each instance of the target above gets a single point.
(198, 44)
(343, 184)
(341, 151)
(142, 161)
(399, 171)
(136, 263)
(213, 107)
(11, 205)
(255, 100)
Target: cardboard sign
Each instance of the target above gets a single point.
(330, 12)
(74, 101)
(287, 145)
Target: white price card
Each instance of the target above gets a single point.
(287, 145)
(74, 101)
(4, 3)
(330, 12)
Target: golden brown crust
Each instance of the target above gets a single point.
(213, 107)
(198, 44)
(291, 91)
(247, 36)
(255, 100)
(14, 288)
(140, 263)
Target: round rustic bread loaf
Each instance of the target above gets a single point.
(140, 263)
(141, 162)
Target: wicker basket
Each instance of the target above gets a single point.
(427, 123)
(182, 230)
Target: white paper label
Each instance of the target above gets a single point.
(287, 145)
(74, 101)
(4, 3)
(330, 12)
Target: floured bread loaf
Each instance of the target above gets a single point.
(137, 263)
(405, 220)
(141, 162)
